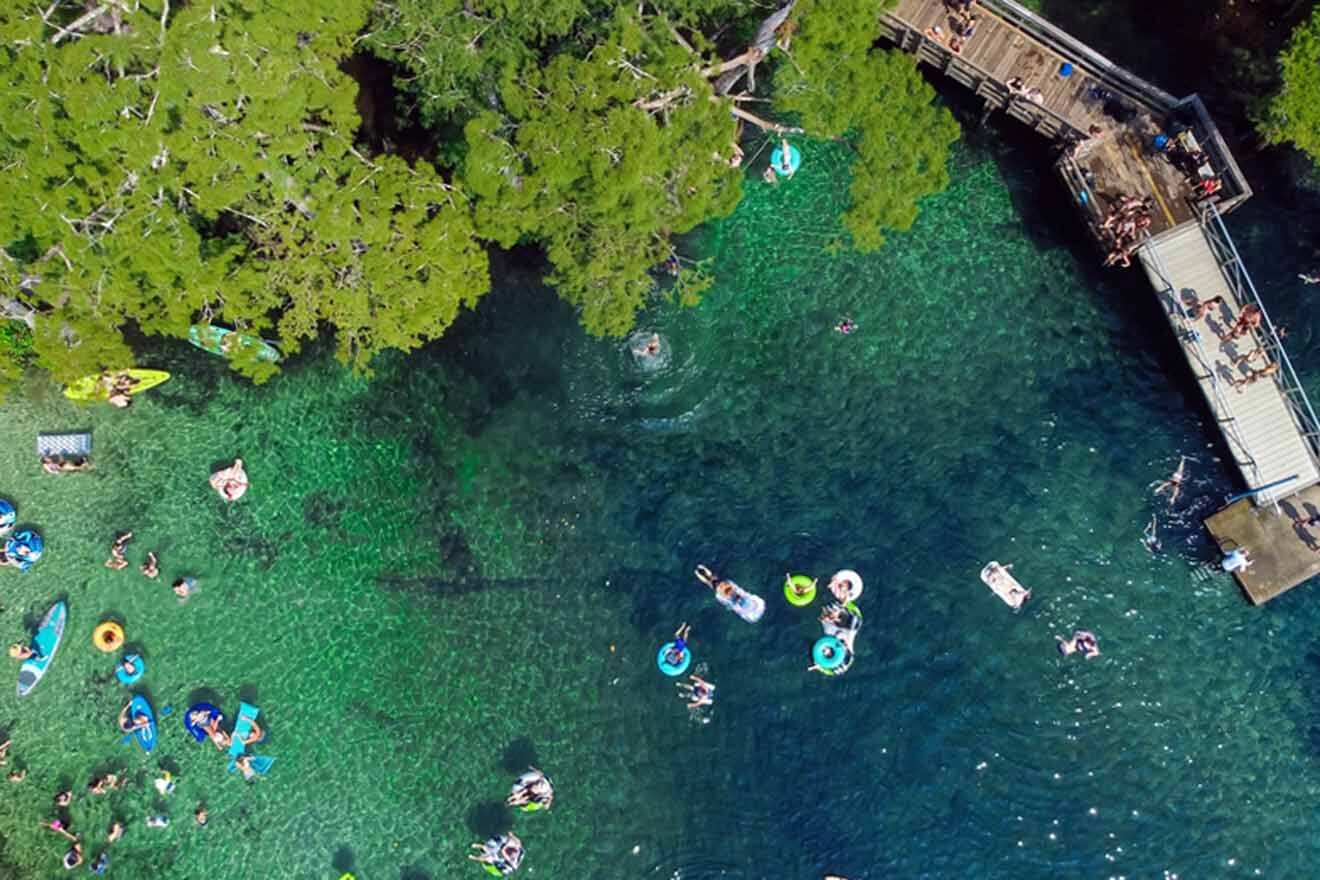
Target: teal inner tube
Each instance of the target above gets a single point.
(130, 678)
(777, 160)
(672, 669)
(828, 653)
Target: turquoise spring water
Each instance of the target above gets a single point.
(465, 566)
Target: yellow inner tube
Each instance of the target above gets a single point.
(108, 636)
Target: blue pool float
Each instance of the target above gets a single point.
(25, 547)
(144, 736)
(139, 667)
(794, 160)
(198, 732)
(7, 516)
(673, 669)
(828, 654)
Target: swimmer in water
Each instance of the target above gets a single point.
(151, 568)
(117, 560)
(1081, 642)
(846, 326)
(1150, 537)
(1311, 278)
(649, 348)
(21, 652)
(677, 650)
(1173, 485)
(697, 691)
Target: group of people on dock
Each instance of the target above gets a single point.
(1123, 227)
(962, 26)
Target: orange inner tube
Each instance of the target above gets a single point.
(108, 636)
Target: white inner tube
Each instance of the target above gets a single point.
(846, 585)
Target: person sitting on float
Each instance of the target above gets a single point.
(835, 618)
(22, 652)
(532, 788)
(137, 722)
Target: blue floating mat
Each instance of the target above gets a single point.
(211, 712)
(145, 736)
(260, 764)
(242, 727)
(70, 443)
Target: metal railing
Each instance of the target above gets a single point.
(1190, 339)
(947, 58)
(1266, 335)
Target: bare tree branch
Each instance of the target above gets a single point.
(79, 23)
(763, 124)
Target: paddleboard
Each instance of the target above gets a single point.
(46, 643)
(145, 736)
(221, 340)
(91, 387)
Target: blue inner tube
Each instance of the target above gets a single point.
(26, 540)
(794, 160)
(131, 678)
(211, 712)
(828, 653)
(672, 669)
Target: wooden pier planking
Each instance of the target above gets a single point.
(1269, 426)
(1278, 541)
(1257, 423)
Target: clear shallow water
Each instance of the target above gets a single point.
(466, 566)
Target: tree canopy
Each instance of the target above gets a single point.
(167, 165)
(197, 163)
(1293, 113)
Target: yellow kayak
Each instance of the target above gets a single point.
(93, 388)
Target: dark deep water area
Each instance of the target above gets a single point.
(466, 565)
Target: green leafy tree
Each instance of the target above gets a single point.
(599, 136)
(1293, 113)
(840, 86)
(174, 164)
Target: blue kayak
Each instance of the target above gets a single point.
(45, 643)
(145, 736)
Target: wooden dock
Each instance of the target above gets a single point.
(1283, 543)
(1259, 425)
(1106, 121)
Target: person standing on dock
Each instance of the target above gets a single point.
(1173, 485)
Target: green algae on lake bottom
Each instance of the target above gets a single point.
(465, 565)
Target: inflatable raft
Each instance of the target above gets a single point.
(1004, 585)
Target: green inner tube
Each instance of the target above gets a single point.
(799, 590)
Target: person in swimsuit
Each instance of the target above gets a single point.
(21, 652)
(1173, 485)
(151, 568)
(532, 788)
(674, 656)
(117, 559)
(648, 349)
(697, 691)
(184, 587)
(1150, 536)
(74, 857)
(136, 723)
(231, 482)
(54, 464)
(244, 765)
